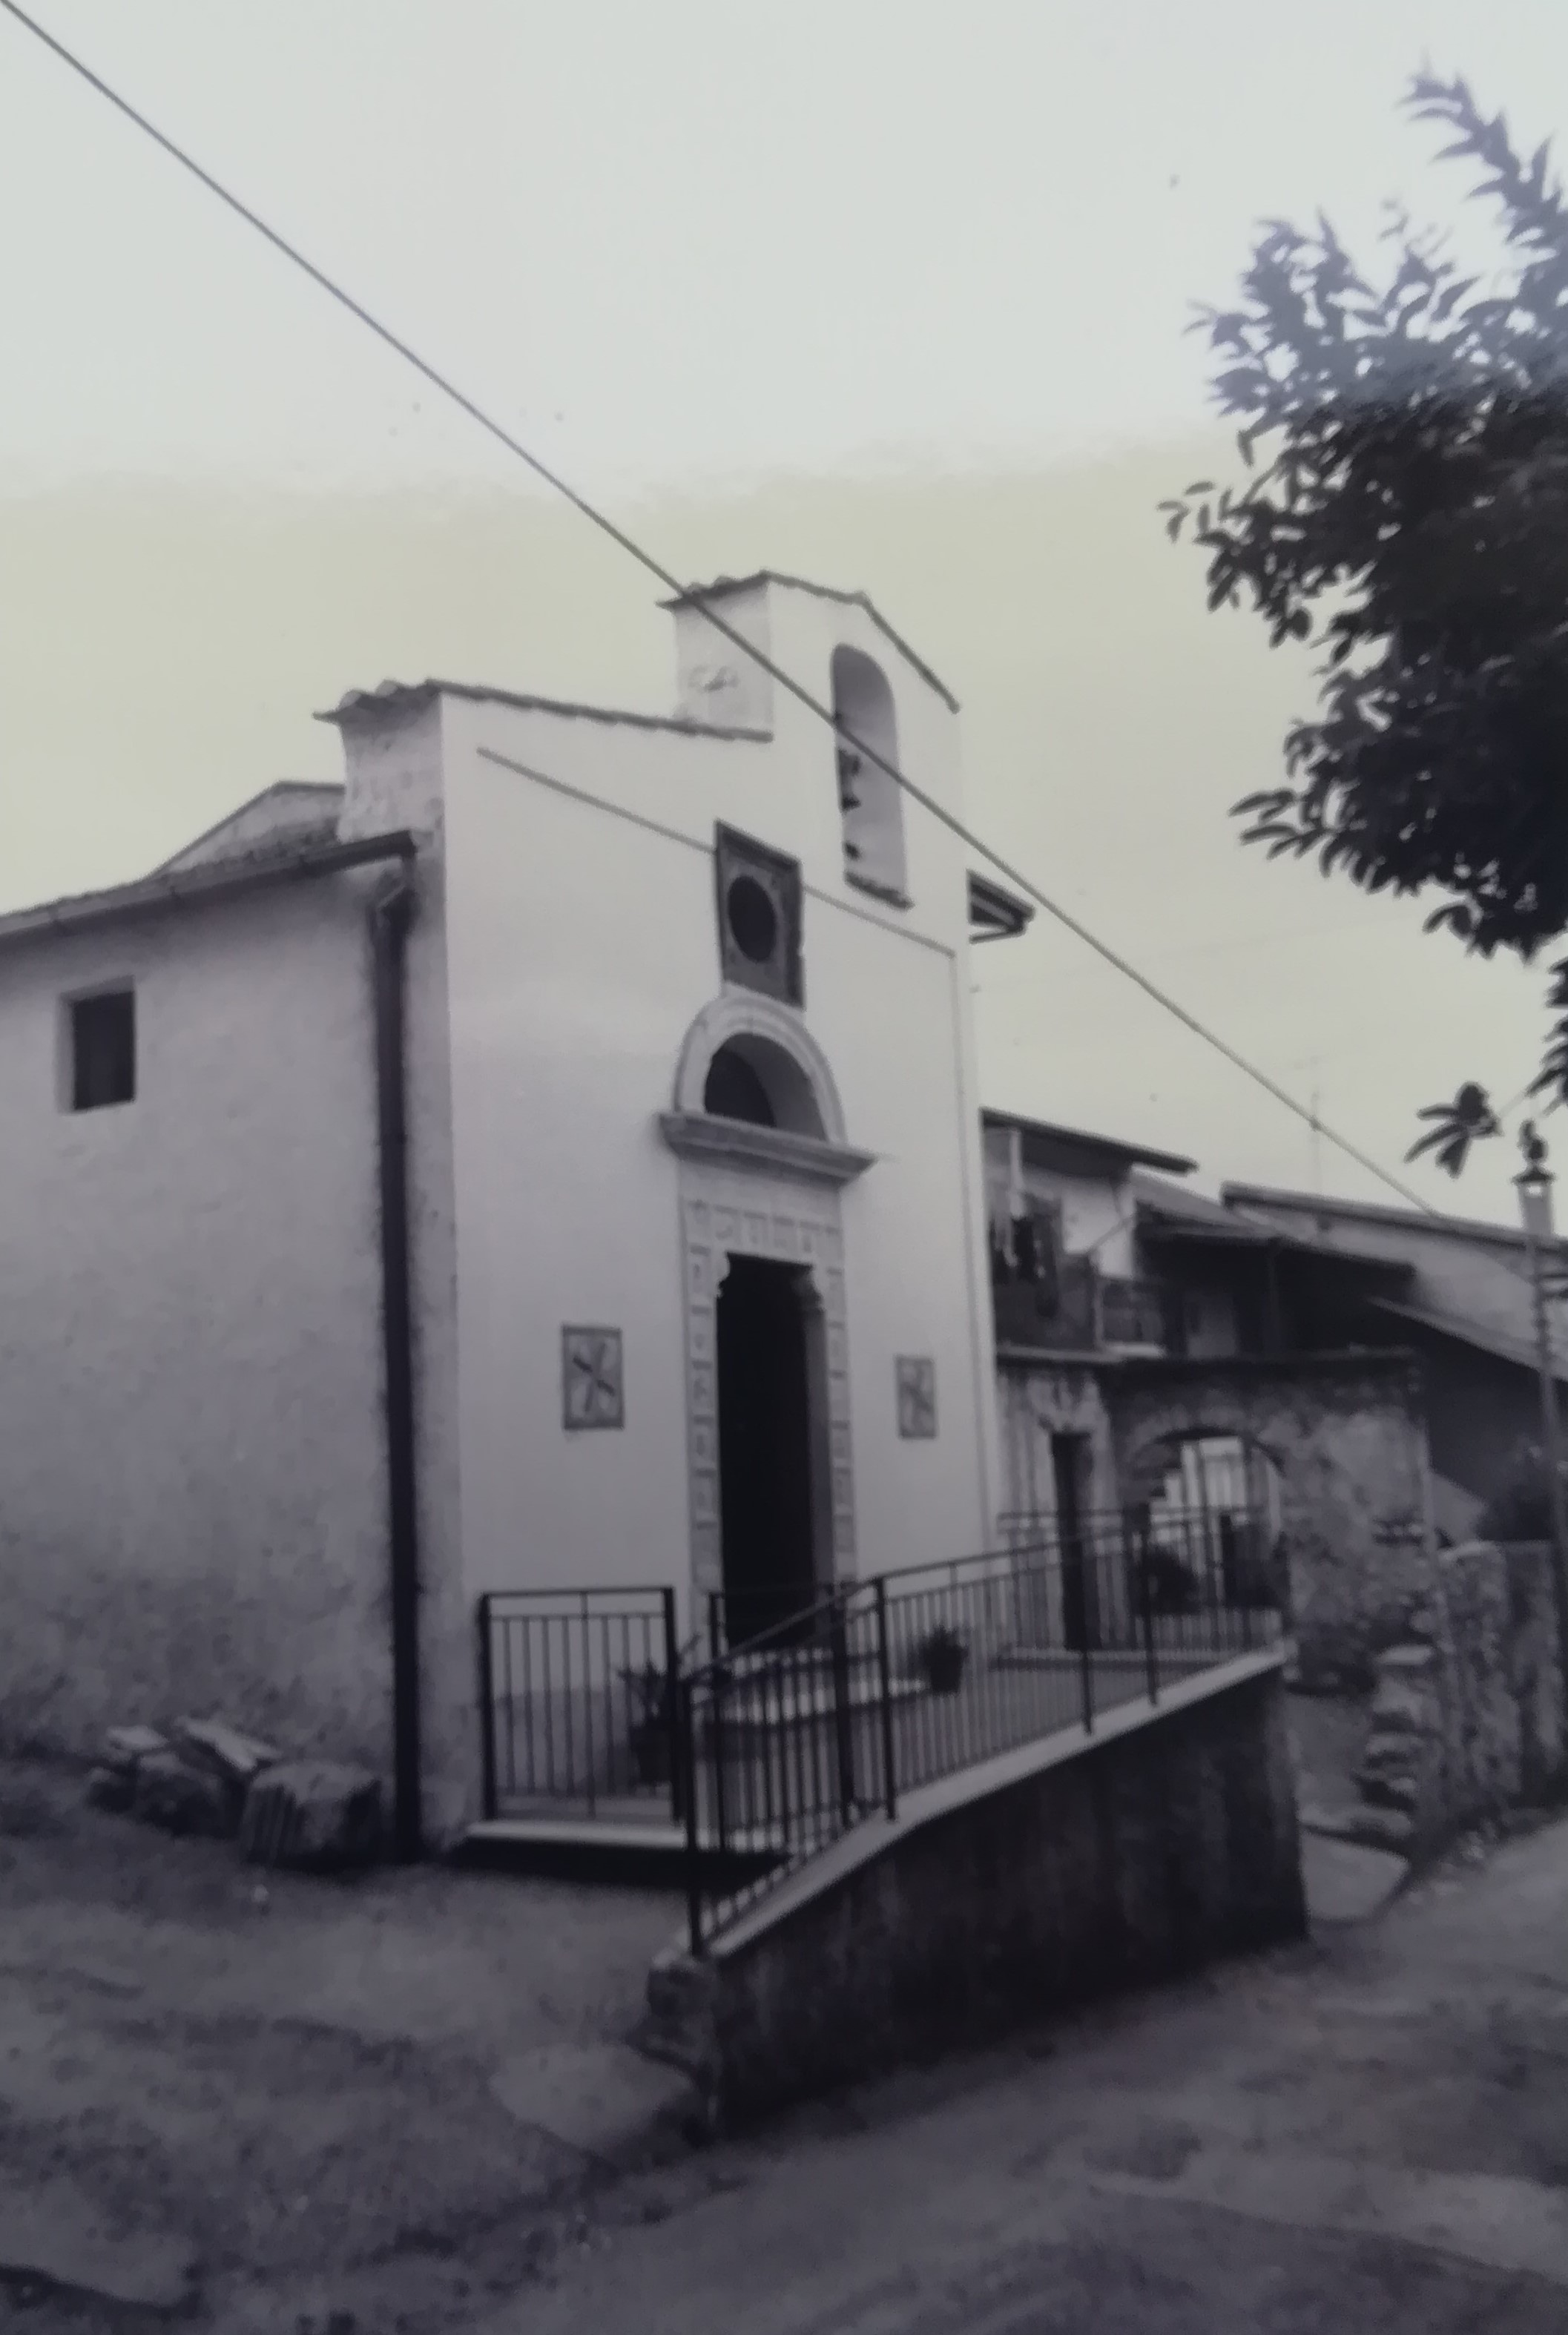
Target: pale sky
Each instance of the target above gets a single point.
(890, 292)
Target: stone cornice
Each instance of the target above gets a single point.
(735, 1143)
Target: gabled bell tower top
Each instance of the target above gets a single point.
(719, 685)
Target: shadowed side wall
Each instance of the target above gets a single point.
(192, 1454)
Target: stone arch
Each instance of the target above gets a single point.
(1149, 1462)
(1347, 1435)
(777, 1048)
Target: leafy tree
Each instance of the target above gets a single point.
(1406, 511)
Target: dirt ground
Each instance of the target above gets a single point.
(1367, 2132)
(296, 2077)
(294, 2074)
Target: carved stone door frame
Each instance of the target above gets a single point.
(727, 1213)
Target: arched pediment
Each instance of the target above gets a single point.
(796, 1122)
(743, 1015)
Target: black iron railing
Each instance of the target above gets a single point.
(883, 1686)
(1131, 1312)
(1078, 1309)
(579, 1702)
(770, 1612)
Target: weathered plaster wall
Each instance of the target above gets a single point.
(1148, 1854)
(1036, 1400)
(192, 1488)
(1096, 1208)
(1346, 1434)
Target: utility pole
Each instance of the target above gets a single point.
(1534, 1185)
(1316, 1066)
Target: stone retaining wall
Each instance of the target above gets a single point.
(1170, 1842)
(1466, 1719)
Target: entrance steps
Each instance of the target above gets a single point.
(643, 1852)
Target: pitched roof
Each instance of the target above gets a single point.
(275, 861)
(1178, 1214)
(297, 808)
(407, 696)
(1373, 1212)
(1098, 1151)
(1171, 1208)
(1485, 1337)
(724, 586)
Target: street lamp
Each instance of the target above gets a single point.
(1534, 1185)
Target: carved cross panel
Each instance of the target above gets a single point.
(917, 1396)
(593, 1387)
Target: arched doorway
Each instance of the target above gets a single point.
(1216, 1512)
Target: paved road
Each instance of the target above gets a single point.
(1368, 2135)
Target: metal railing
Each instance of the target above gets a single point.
(886, 1685)
(1132, 1313)
(1080, 1310)
(579, 1707)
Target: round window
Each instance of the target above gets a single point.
(753, 919)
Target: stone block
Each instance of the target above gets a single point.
(54, 2237)
(112, 1788)
(312, 1814)
(181, 1798)
(1408, 1661)
(125, 1746)
(681, 2000)
(1402, 1706)
(237, 1755)
(1393, 1788)
(1385, 1828)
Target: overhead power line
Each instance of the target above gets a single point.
(653, 567)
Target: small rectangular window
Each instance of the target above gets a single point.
(103, 1050)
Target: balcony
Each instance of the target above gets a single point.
(1132, 1313)
(1080, 1311)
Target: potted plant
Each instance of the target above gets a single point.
(651, 1693)
(943, 1657)
(1170, 1585)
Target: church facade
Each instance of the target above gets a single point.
(551, 1160)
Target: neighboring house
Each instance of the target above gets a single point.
(1368, 1374)
(1097, 1262)
(1067, 1300)
(1161, 1356)
(1457, 1295)
(551, 1159)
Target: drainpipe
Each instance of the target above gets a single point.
(390, 915)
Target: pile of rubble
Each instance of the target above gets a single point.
(204, 1776)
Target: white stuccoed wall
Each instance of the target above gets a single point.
(581, 945)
